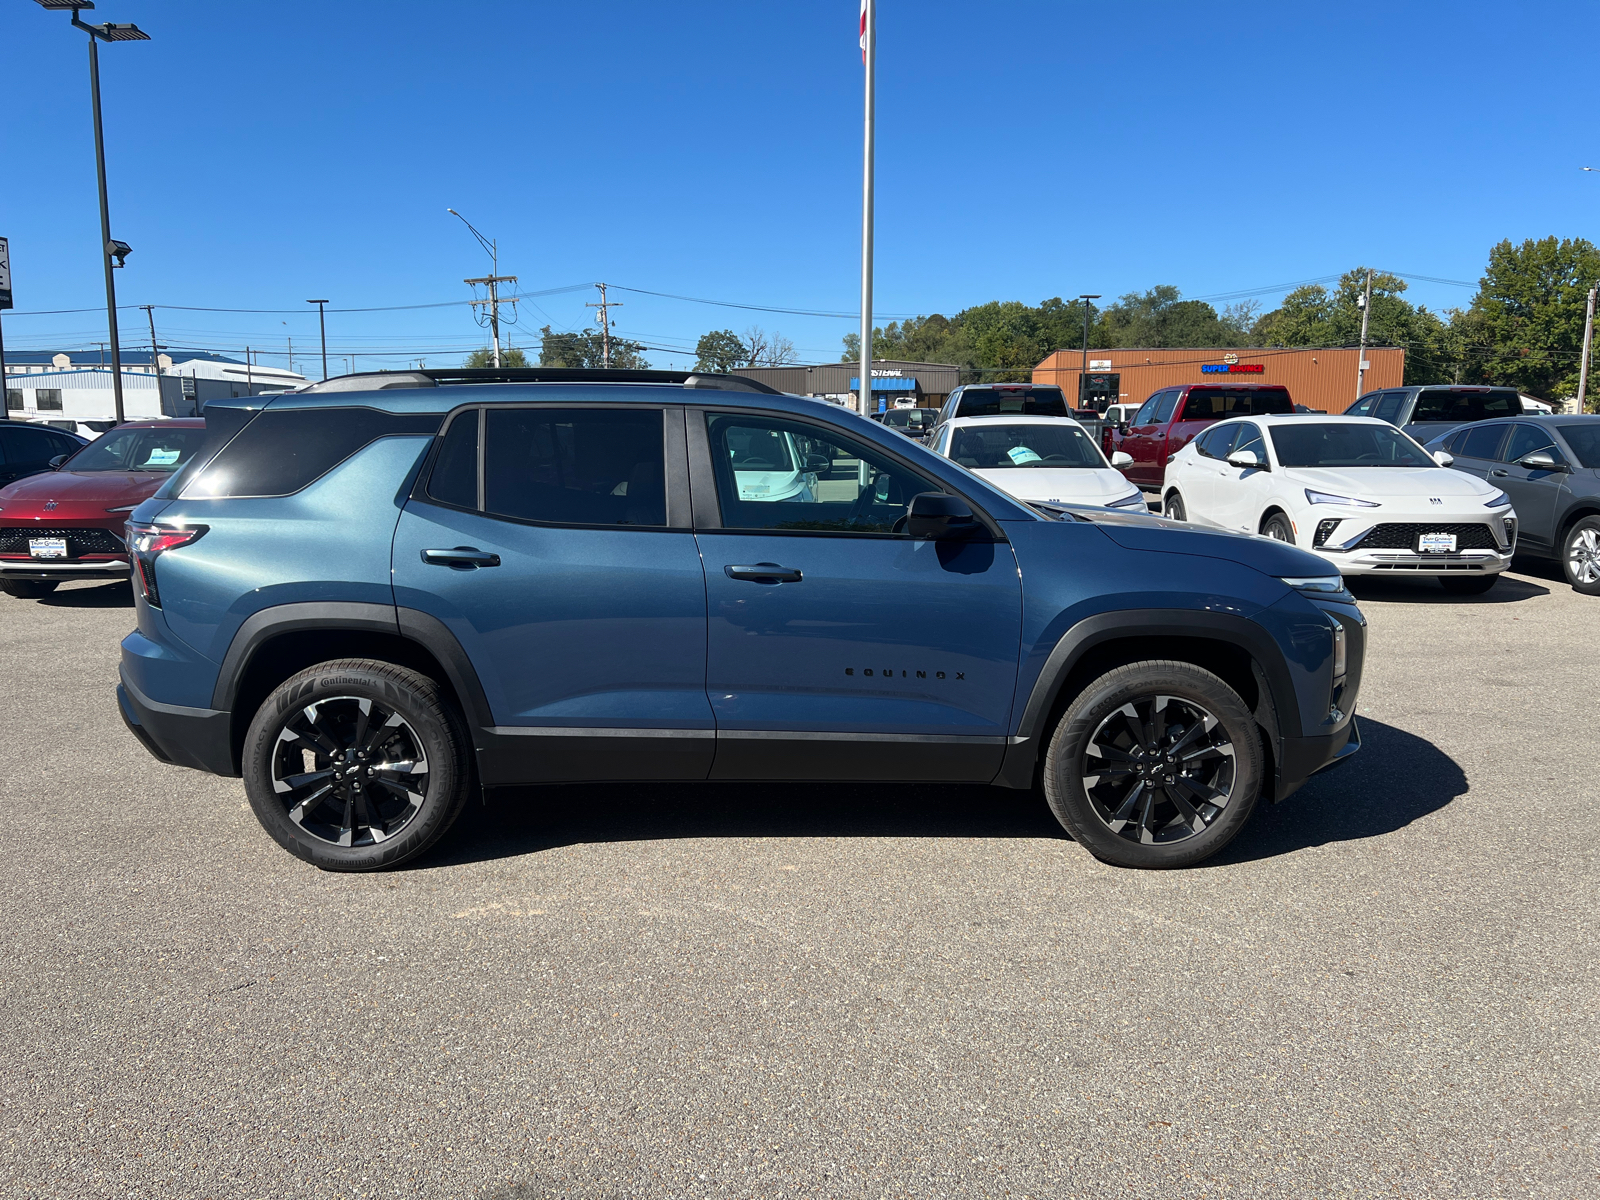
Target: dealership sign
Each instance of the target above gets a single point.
(1233, 368)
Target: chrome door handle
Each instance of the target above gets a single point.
(465, 558)
(764, 573)
(1498, 471)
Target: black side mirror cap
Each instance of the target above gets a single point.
(818, 462)
(55, 463)
(940, 515)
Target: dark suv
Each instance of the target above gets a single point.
(1431, 410)
(367, 602)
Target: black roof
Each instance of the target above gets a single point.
(377, 381)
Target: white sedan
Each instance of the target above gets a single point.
(1355, 490)
(1048, 459)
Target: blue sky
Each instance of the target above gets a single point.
(262, 153)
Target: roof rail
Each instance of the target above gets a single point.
(375, 381)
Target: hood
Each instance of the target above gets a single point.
(1278, 559)
(1378, 482)
(113, 487)
(1082, 485)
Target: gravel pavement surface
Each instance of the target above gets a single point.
(1386, 986)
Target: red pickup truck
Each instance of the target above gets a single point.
(1173, 417)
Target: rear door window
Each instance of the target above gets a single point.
(1482, 442)
(575, 466)
(1389, 405)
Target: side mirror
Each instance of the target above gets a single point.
(1122, 427)
(1443, 459)
(55, 463)
(1246, 460)
(940, 515)
(1121, 458)
(1540, 461)
(818, 462)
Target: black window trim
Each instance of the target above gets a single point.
(703, 478)
(675, 467)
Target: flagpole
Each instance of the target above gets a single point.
(869, 54)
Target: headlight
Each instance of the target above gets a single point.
(1136, 500)
(1330, 498)
(1498, 500)
(1318, 584)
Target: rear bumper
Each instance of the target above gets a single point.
(201, 738)
(1303, 757)
(24, 568)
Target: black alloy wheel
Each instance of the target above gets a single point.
(356, 765)
(1580, 556)
(1277, 528)
(1468, 585)
(1172, 507)
(28, 589)
(1154, 764)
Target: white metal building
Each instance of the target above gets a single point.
(77, 387)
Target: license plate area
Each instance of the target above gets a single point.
(47, 547)
(1436, 543)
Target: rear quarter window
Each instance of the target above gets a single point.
(285, 450)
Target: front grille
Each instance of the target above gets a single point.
(1404, 537)
(14, 540)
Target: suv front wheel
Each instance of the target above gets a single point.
(356, 765)
(1155, 764)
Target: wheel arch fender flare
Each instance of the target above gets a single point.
(1277, 709)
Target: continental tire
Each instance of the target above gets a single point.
(1154, 765)
(356, 765)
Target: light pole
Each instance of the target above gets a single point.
(322, 325)
(108, 248)
(1083, 368)
(493, 279)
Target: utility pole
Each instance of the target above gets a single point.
(1588, 340)
(869, 63)
(491, 247)
(1083, 369)
(322, 324)
(605, 306)
(155, 353)
(249, 382)
(1361, 359)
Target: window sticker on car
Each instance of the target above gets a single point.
(162, 458)
(1021, 454)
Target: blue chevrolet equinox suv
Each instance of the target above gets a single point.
(372, 596)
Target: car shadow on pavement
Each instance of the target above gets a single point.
(1395, 779)
(515, 821)
(1508, 590)
(103, 595)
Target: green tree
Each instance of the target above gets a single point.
(1524, 328)
(720, 351)
(585, 349)
(1162, 318)
(510, 356)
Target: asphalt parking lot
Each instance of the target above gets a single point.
(1386, 986)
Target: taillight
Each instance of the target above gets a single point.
(148, 543)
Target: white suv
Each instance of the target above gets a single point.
(1355, 490)
(1052, 460)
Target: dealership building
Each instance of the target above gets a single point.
(921, 385)
(1320, 378)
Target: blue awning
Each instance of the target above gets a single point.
(894, 383)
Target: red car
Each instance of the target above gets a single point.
(67, 523)
(1175, 416)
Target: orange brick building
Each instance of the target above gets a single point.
(1321, 379)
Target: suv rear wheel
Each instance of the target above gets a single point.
(356, 765)
(1155, 764)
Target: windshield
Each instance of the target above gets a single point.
(1584, 441)
(990, 447)
(1346, 444)
(755, 449)
(912, 418)
(163, 450)
(1032, 401)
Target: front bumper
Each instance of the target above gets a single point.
(201, 738)
(1302, 757)
(1408, 562)
(63, 571)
